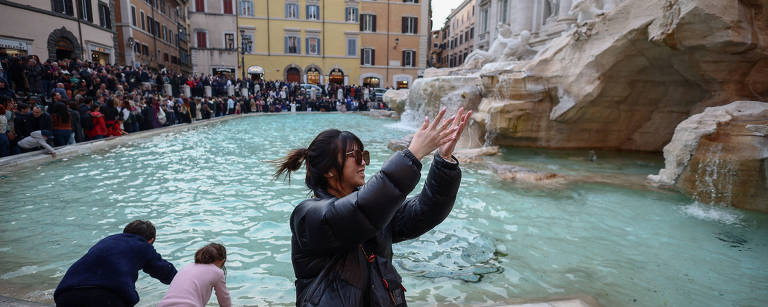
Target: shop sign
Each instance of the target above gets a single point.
(13, 44)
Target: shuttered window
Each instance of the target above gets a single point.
(410, 25)
(367, 56)
(202, 40)
(313, 45)
(292, 44)
(409, 58)
(291, 10)
(368, 22)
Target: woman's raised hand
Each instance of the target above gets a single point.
(433, 135)
(459, 122)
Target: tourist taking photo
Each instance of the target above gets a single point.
(341, 244)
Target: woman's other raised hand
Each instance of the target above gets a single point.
(438, 134)
(459, 122)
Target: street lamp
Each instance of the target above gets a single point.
(245, 43)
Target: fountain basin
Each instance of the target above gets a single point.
(503, 242)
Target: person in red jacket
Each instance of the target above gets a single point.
(99, 129)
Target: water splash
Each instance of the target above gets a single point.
(713, 213)
(715, 178)
(402, 126)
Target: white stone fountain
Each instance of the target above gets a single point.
(622, 77)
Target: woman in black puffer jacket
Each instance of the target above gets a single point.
(341, 247)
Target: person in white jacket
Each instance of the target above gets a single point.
(37, 139)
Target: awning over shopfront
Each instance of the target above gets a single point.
(255, 70)
(14, 46)
(223, 70)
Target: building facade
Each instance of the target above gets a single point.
(394, 42)
(374, 43)
(59, 29)
(437, 46)
(153, 33)
(214, 25)
(307, 41)
(544, 19)
(460, 31)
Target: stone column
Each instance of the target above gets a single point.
(493, 20)
(168, 90)
(537, 15)
(208, 91)
(231, 90)
(244, 92)
(186, 90)
(522, 19)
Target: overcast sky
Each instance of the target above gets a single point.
(440, 10)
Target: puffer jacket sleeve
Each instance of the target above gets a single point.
(421, 213)
(331, 223)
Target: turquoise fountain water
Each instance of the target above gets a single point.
(621, 243)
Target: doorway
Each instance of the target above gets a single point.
(336, 76)
(65, 49)
(293, 75)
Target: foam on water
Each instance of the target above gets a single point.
(402, 126)
(714, 213)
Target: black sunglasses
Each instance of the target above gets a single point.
(361, 156)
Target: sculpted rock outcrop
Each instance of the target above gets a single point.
(526, 175)
(400, 144)
(428, 95)
(475, 155)
(644, 67)
(716, 158)
(396, 99)
(624, 82)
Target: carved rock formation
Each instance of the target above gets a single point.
(641, 69)
(475, 155)
(400, 144)
(526, 175)
(396, 99)
(716, 158)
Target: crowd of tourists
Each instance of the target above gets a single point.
(58, 103)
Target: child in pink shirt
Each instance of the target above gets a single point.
(193, 284)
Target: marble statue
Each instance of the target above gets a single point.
(504, 48)
(478, 57)
(519, 49)
(586, 10)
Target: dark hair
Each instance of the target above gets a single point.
(210, 253)
(323, 155)
(145, 229)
